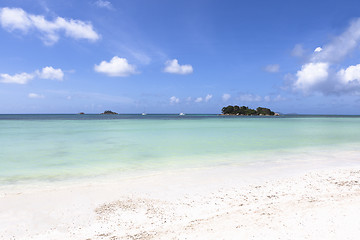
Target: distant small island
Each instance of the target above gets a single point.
(109, 112)
(246, 111)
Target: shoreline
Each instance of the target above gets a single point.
(207, 203)
(261, 163)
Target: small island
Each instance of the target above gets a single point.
(246, 111)
(108, 112)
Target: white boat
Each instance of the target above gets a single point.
(182, 114)
(143, 114)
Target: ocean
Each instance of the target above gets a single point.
(51, 148)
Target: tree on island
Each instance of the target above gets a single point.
(228, 110)
(109, 112)
(243, 110)
(264, 111)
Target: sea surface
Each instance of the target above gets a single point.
(47, 148)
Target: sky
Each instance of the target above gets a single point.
(191, 56)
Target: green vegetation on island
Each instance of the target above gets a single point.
(243, 110)
(109, 112)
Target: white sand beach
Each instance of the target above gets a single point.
(179, 120)
(214, 203)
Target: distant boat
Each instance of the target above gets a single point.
(143, 114)
(182, 114)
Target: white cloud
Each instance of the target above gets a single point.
(226, 97)
(104, 4)
(21, 78)
(35, 95)
(320, 73)
(279, 98)
(341, 45)
(174, 99)
(318, 49)
(208, 97)
(311, 75)
(257, 98)
(318, 77)
(250, 98)
(173, 66)
(14, 18)
(203, 99)
(352, 73)
(117, 67)
(17, 19)
(188, 99)
(199, 99)
(272, 68)
(298, 51)
(51, 73)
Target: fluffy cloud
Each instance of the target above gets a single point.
(17, 19)
(199, 99)
(174, 99)
(173, 66)
(51, 73)
(320, 73)
(21, 78)
(279, 98)
(104, 4)
(318, 49)
(311, 75)
(250, 98)
(272, 68)
(205, 99)
(226, 97)
(117, 67)
(35, 95)
(352, 73)
(318, 77)
(341, 45)
(208, 97)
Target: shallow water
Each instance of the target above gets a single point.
(61, 147)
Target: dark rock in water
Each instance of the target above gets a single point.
(81, 113)
(109, 112)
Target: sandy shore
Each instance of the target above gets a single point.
(217, 203)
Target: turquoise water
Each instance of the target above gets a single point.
(57, 147)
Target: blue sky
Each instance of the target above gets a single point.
(179, 56)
